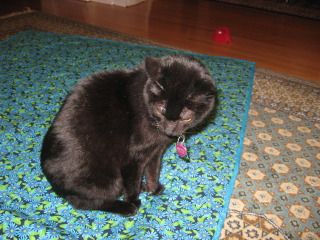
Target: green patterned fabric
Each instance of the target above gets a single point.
(37, 70)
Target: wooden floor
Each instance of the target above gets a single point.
(282, 43)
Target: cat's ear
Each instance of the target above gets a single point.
(152, 66)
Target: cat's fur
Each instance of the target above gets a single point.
(114, 127)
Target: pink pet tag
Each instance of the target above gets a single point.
(180, 147)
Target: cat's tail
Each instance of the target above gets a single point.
(113, 206)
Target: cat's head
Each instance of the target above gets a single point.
(179, 93)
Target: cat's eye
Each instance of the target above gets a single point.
(162, 109)
(199, 99)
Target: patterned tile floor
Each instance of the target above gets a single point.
(277, 192)
(279, 179)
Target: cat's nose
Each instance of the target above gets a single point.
(173, 129)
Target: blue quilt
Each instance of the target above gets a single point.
(37, 69)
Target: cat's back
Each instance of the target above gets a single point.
(101, 102)
(104, 89)
(94, 118)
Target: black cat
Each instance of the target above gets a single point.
(114, 127)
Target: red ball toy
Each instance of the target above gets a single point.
(222, 35)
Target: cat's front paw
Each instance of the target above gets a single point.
(136, 202)
(130, 210)
(159, 190)
(153, 189)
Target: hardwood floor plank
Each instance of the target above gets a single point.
(283, 43)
